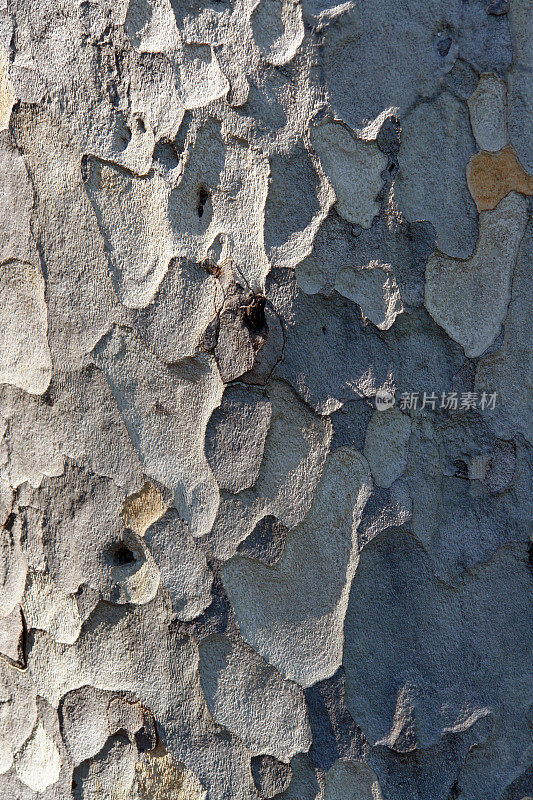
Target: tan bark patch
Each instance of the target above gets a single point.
(7, 97)
(143, 508)
(163, 778)
(491, 176)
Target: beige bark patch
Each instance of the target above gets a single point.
(7, 98)
(162, 778)
(24, 353)
(491, 176)
(38, 764)
(143, 508)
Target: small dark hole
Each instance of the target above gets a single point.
(254, 313)
(146, 738)
(203, 195)
(141, 127)
(324, 329)
(10, 521)
(123, 556)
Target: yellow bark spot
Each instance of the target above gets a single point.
(143, 508)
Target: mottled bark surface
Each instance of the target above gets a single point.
(265, 399)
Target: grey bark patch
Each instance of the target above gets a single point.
(235, 437)
(420, 697)
(350, 424)
(335, 733)
(427, 132)
(234, 351)
(271, 777)
(501, 468)
(272, 603)
(319, 362)
(182, 565)
(181, 535)
(251, 699)
(111, 770)
(266, 542)
(386, 508)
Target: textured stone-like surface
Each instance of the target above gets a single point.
(385, 445)
(303, 782)
(265, 399)
(288, 612)
(251, 699)
(24, 352)
(153, 403)
(351, 780)
(375, 289)
(420, 689)
(186, 302)
(235, 438)
(161, 777)
(14, 569)
(182, 566)
(86, 703)
(437, 142)
(271, 776)
(354, 168)
(111, 771)
(487, 107)
(520, 91)
(48, 608)
(143, 508)
(38, 763)
(509, 367)
(337, 360)
(6, 91)
(469, 298)
(286, 483)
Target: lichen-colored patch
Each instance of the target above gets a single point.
(7, 97)
(491, 176)
(162, 778)
(143, 508)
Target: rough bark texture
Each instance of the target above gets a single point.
(265, 394)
